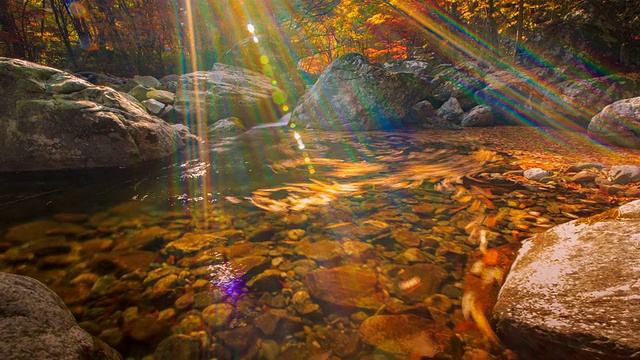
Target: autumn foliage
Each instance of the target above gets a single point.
(125, 37)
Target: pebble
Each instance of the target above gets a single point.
(625, 174)
(181, 347)
(584, 177)
(270, 280)
(216, 316)
(145, 328)
(536, 174)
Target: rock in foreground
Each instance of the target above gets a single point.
(35, 324)
(573, 291)
(52, 120)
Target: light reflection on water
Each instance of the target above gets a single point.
(264, 201)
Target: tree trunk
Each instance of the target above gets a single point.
(493, 29)
(17, 44)
(58, 13)
(520, 28)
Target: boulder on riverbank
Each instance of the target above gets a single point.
(52, 120)
(579, 100)
(573, 291)
(35, 324)
(618, 123)
(228, 91)
(355, 94)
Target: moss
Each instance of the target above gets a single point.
(34, 107)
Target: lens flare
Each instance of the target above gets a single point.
(78, 10)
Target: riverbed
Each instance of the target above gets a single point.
(283, 244)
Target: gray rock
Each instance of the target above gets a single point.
(354, 94)
(169, 82)
(584, 176)
(105, 80)
(618, 123)
(35, 324)
(227, 126)
(153, 106)
(515, 97)
(625, 174)
(441, 124)
(420, 68)
(185, 134)
(162, 96)
(581, 100)
(420, 113)
(147, 80)
(451, 111)
(536, 174)
(480, 115)
(573, 293)
(458, 82)
(228, 91)
(83, 126)
(140, 92)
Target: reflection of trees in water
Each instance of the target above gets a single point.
(374, 164)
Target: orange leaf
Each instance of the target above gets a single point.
(475, 205)
(491, 221)
(455, 210)
(488, 203)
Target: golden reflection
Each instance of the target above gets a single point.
(395, 172)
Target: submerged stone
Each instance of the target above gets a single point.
(346, 286)
(405, 335)
(181, 347)
(321, 251)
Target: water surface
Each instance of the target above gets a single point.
(262, 245)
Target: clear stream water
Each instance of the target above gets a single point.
(143, 255)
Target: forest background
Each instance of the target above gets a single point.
(160, 37)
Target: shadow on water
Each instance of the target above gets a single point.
(233, 167)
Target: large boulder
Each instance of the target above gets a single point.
(515, 95)
(353, 94)
(460, 82)
(263, 54)
(420, 68)
(451, 111)
(52, 120)
(480, 115)
(35, 324)
(228, 91)
(618, 123)
(573, 291)
(578, 101)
